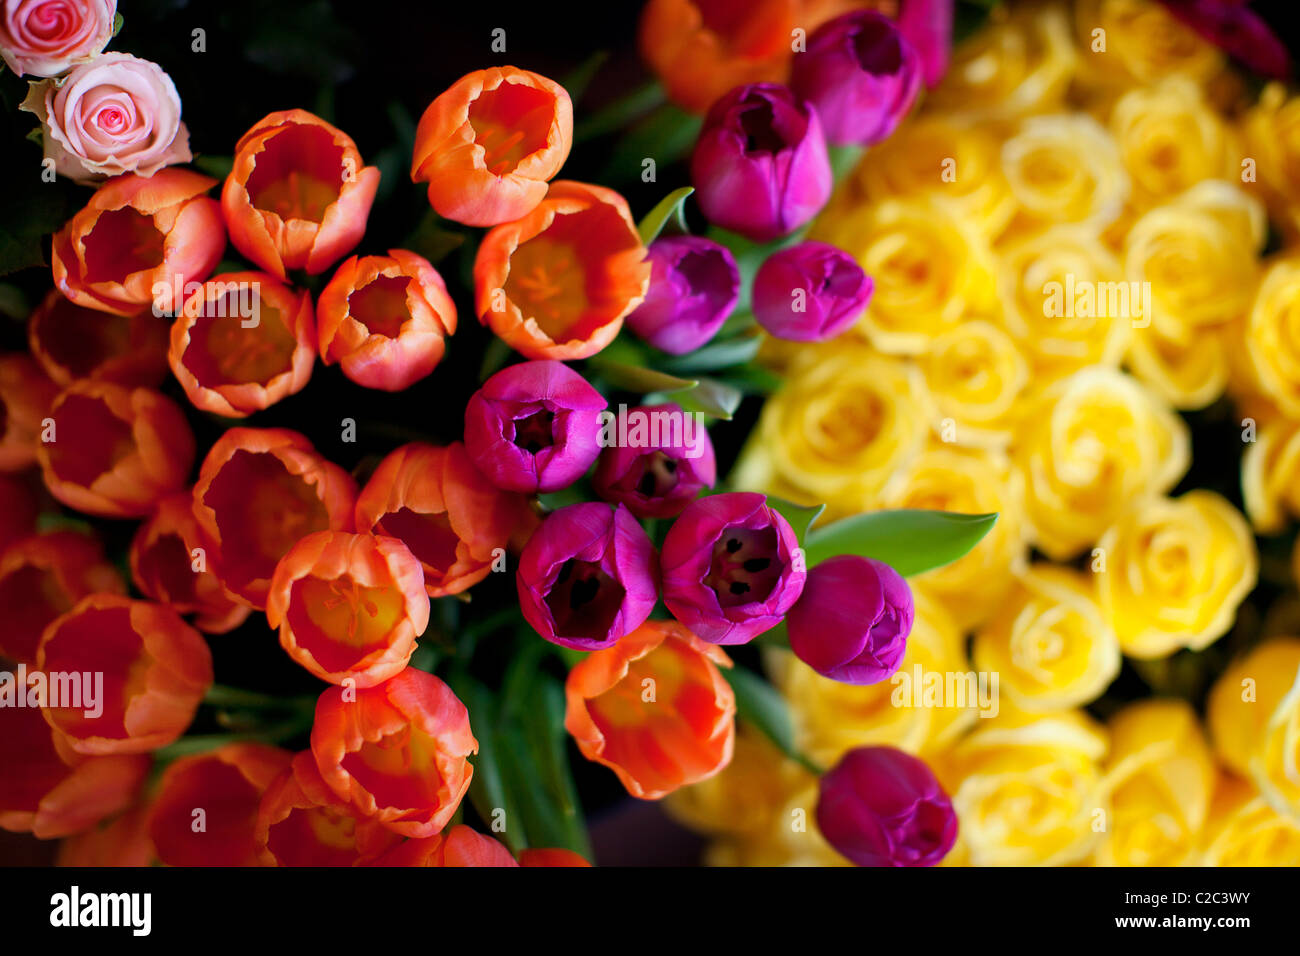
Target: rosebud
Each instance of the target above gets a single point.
(298, 195)
(852, 620)
(730, 568)
(587, 576)
(656, 480)
(534, 427)
(860, 74)
(488, 146)
(694, 284)
(72, 342)
(883, 807)
(760, 166)
(810, 292)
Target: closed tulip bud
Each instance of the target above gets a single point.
(730, 567)
(163, 568)
(760, 167)
(71, 342)
(259, 491)
(349, 606)
(115, 451)
(49, 790)
(138, 241)
(852, 620)
(25, 396)
(883, 807)
(227, 785)
(588, 576)
(459, 846)
(654, 708)
(488, 146)
(302, 822)
(242, 342)
(298, 195)
(810, 292)
(384, 319)
(534, 427)
(156, 669)
(556, 283)
(658, 479)
(861, 74)
(455, 522)
(694, 284)
(396, 751)
(42, 577)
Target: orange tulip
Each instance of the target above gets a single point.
(348, 606)
(488, 146)
(227, 785)
(454, 521)
(122, 841)
(17, 512)
(302, 822)
(165, 567)
(298, 195)
(459, 846)
(138, 241)
(384, 318)
(42, 577)
(654, 708)
(71, 342)
(115, 451)
(557, 283)
(259, 491)
(551, 857)
(155, 669)
(396, 751)
(243, 341)
(49, 790)
(25, 398)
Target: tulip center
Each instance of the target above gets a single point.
(380, 305)
(122, 242)
(99, 641)
(339, 620)
(534, 432)
(510, 123)
(877, 50)
(92, 441)
(398, 770)
(81, 340)
(758, 123)
(429, 536)
(653, 475)
(745, 566)
(584, 600)
(548, 284)
(298, 173)
(166, 563)
(314, 836)
(222, 351)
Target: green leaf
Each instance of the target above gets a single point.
(487, 789)
(576, 81)
(620, 113)
(713, 398)
(909, 541)
(13, 303)
(761, 705)
(218, 166)
(118, 20)
(801, 517)
(657, 218)
(638, 378)
(718, 355)
(547, 736)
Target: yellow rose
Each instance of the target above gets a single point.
(1243, 830)
(1170, 139)
(947, 478)
(1271, 139)
(792, 839)
(1172, 571)
(1272, 334)
(1049, 641)
(838, 428)
(1143, 43)
(1270, 475)
(1254, 718)
(976, 374)
(1061, 290)
(1161, 777)
(1028, 790)
(1189, 373)
(1064, 168)
(1016, 65)
(1095, 441)
(831, 718)
(948, 158)
(930, 269)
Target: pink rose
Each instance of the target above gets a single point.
(116, 114)
(45, 37)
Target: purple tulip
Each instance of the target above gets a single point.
(852, 621)
(534, 427)
(657, 476)
(927, 24)
(694, 284)
(732, 567)
(883, 807)
(1238, 31)
(810, 292)
(760, 167)
(587, 576)
(861, 74)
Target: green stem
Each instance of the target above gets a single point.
(234, 698)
